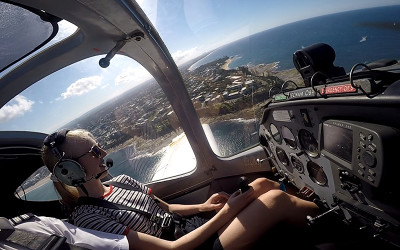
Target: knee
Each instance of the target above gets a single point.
(263, 185)
(288, 207)
(275, 197)
(276, 194)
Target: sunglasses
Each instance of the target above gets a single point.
(94, 150)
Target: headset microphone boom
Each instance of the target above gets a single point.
(109, 164)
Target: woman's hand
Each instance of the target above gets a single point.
(215, 202)
(238, 200)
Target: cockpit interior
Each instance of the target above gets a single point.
(327, 132)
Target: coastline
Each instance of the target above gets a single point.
(225, 66)
(35, 186)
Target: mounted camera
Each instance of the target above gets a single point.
(317, 58)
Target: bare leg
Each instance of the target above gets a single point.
(263, 185)
(261, 215)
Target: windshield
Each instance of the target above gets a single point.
(234, 55)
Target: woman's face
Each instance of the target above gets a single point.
(88, 153)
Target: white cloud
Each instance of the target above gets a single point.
(19, 108)
(105, 86)
(65, 29)
(132, 76)
(184, 56)
(82, 86)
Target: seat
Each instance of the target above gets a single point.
(60, 232)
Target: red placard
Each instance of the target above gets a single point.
(338, 89)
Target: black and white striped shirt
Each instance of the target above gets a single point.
(121, 221)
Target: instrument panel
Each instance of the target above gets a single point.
(342, 150)
(292, 136)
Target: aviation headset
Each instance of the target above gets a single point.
(67, 171)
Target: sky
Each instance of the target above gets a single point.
(206, 24)
(189, 28)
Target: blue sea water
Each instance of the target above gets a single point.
(42, 193)
(342, 31)
(229, 141)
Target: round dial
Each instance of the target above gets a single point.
(308, 143)
(316, 173)
(297, 164)
(275, 133)
(288, 137)
(280, 153)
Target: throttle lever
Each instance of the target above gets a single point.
(312, 220)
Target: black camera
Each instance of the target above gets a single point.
(314, 59)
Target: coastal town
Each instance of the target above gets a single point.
(218, 93)
(217, 90)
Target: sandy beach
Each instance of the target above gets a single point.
(225, 66)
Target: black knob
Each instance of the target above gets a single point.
(104, 63)
(243, 184)
(369, 159)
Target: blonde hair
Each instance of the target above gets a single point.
(69, 194)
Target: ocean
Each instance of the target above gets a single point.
(344, 32)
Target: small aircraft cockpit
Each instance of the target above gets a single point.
(332, 139)
(192, 97)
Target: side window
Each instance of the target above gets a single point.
(123, 107)
(37, 187)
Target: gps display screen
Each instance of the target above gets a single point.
(338, 141)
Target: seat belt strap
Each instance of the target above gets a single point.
(106, 204)
(167, 216)
(123, 185)
(20, 218)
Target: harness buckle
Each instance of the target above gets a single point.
(166, 221)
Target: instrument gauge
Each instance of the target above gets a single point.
(280, 153)
(267, 134)
(297, 164)
(308, 142)
(288, 137)
(316, 173)
(275, 133)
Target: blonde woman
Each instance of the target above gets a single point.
(240, 219)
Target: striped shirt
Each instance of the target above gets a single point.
(121, 221)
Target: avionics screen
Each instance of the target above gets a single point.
(338, 141)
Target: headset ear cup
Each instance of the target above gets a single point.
(70, 172)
